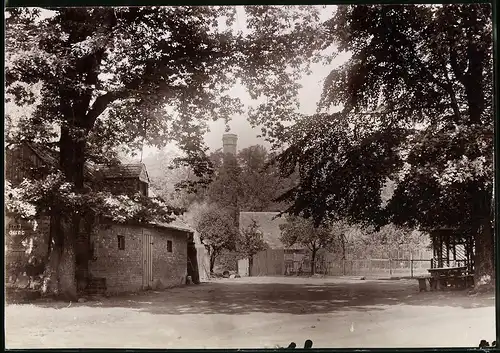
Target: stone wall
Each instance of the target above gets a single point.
(169, 268)
(123, 268)
(26, 248)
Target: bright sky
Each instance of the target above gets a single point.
(309, 96)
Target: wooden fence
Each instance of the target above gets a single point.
(269, 263)
(272, 263)
(375, 267)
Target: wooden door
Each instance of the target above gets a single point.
(147, 260)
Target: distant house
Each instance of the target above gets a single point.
(279, 259)
(124, 178)
(122, 257)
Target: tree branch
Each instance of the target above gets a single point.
(451, 92)
(454, 66)
(100, 105)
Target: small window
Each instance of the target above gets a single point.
(121, 242)
(169, 245)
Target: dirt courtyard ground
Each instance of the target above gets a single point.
(261, 312)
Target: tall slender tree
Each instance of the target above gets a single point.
(250, 242)
(217, 231)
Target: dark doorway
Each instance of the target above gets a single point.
(192, 260)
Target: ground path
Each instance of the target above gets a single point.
(261, 312)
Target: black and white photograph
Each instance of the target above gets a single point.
(258, 176)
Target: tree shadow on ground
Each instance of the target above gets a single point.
(239, 297)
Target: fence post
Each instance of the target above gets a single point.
(411, 265)
(390, 267)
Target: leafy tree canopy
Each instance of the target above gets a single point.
(97, 78)
(249, 180)
(261, 180)
(416, 99)
(217, 230)
(417, 114)
(303, 232)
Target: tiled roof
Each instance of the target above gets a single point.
(135, 170)
(132, 170)
(47, 155)
(51, 158)
(176, 224)
(269, 224)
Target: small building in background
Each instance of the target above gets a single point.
(124, 178)
(278, 259)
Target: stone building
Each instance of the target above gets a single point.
(122, 257)
(132, 258)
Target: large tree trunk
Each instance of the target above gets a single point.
(66, 269)
(53, 256)
(213, 257)
(60, 271)
(484, 262)
(64, 264)
(484, 247)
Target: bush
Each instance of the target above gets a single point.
(227, 261)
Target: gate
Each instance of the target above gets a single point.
(269, 262)
(147, 260)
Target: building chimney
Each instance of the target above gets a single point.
(229, 142)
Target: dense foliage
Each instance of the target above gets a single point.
(416, 98)
(247, 180)
(217, 231)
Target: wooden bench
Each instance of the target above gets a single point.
(468, 280)
(445, 277)
(422, 283)
(455, 282)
